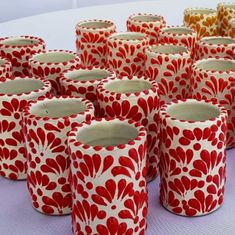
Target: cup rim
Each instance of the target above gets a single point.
(164, 30)
(65, 79)
(132, 18)
(142, 134)
(40, 41)
(102, 90)
(196, 68)
(88, 110)
(6, 63)
(80, 26)
(75, 59)
(116, 37)
(204, 41)
(226, 4)
(165, 115)
(200, 11)
(182, 53)
(46, 86)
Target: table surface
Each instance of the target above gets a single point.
(17, 217)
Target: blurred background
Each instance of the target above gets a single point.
(13, 9)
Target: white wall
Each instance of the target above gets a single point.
(13, 9)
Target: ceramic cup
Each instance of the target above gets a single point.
(18, 50)
(179, 35)
(51, 64)
(170, 66)
(83, 82)
(225, 12)
(149, 24)
(5, 69)
(91, 41)
(214, 79)
(134, 98)
(15, 93)
(202, 20)
(193, 157)
(126, 53)
(215, 47)
(47, 124)
(108, 172)
(231, 28)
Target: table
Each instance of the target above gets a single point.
(17, 217)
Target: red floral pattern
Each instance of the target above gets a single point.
(117, 204)
(12, 150)
(5, 69)
(192, 166)
(141, 107)
(19, 55)
(48, 161)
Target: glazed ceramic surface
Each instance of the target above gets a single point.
(47, 124)
(83, 82)
(137, 99)
(91, 41)
(215, 47)
(108, 177)
(126, 53)
(202, 20)
(193, 157)
(18, 50)
(49, 65)
(5, 69)
(225, 11)
(149, 24)
(214, 79)
(170, 66)
(231, 28)
(15, 93)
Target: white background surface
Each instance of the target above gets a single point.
(16, 214)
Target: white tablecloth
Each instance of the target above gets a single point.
(17, 217)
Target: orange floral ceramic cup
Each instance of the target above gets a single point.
(202, 20)
(231, 30)
(225, 12)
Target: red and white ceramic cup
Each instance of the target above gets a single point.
(170, 66)
(18, 50)
(178, 35)
(47, 124)
(126, 53)
(215, 47)
(50, 64)
(149, 24)
(83, 82)
(214, 79)
(134, 98)
(15, 93)
(108, 172)
(91, 41)
(193, 156)
(5, 69)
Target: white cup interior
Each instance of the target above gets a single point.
(87, 75)
(56, 108)
(127, 86)
(193, 111)
(107, 134)
(95, 24)
(168, 49)
(216, 65)
(229, 5)
(202, 11)
(54, 57)
(128, 36)
(179, 30)
(19, 41)
(218, 40)
(146, 18)
(20, 86)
